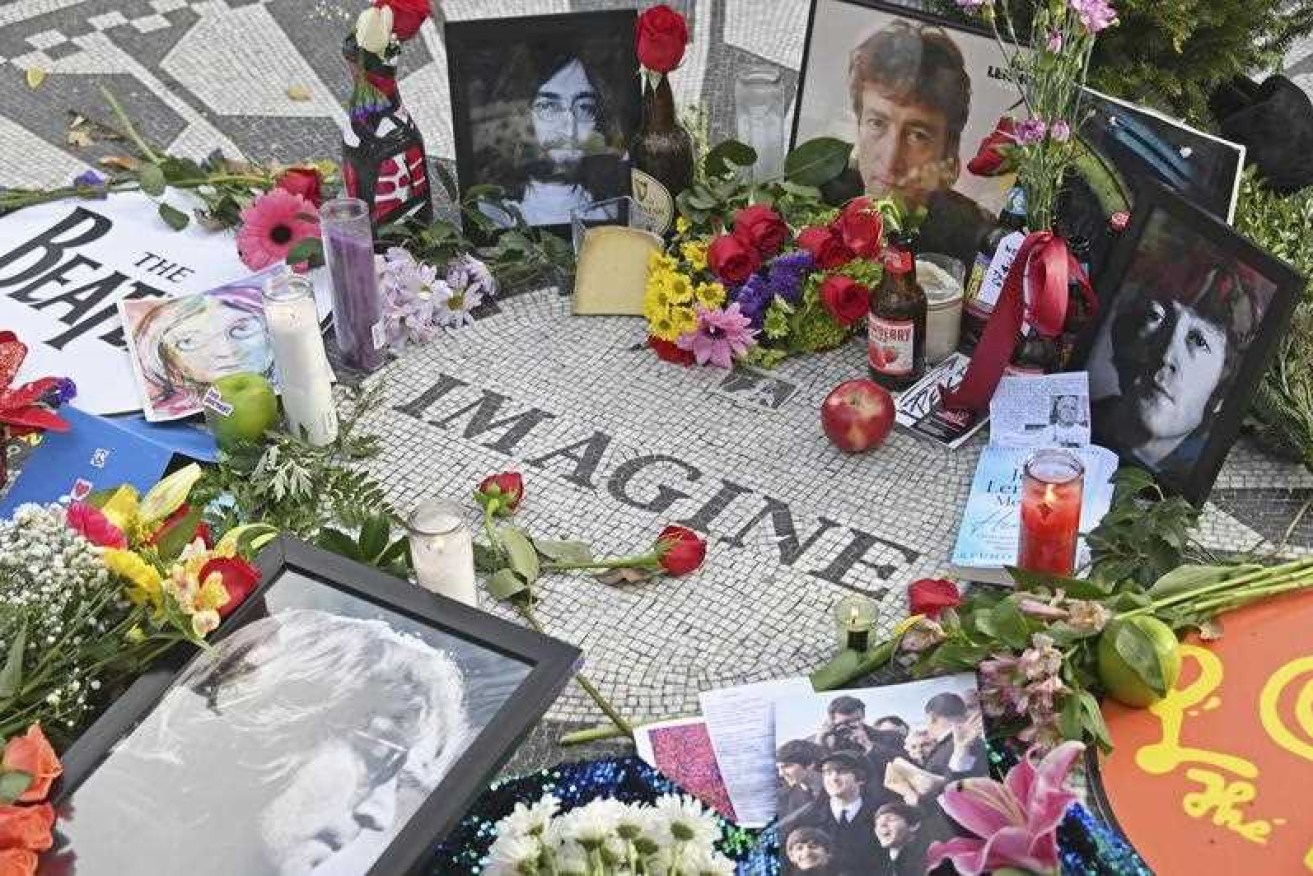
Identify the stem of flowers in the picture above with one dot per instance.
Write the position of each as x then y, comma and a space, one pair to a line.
647, 561
621, 725
1243, 587
593, 734
128, 129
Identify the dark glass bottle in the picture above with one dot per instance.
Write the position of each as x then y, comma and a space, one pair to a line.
662, 156
896, 323
977, 308
1033, 355
1078, 315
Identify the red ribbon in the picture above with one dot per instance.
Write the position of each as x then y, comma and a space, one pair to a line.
21, 406
1043, 267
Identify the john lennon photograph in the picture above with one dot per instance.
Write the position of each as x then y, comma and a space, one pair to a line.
861, 771
543, 108
1191, 314
302, 744
915, 97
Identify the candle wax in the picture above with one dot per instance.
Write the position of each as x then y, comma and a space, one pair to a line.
1050, 523
357, 308
444, 561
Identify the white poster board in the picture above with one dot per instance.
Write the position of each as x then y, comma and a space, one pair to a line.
65, 265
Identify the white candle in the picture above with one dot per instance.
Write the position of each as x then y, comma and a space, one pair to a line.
442, 549
304, 375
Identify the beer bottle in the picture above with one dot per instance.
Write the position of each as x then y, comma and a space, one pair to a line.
896, 324
991, 267
1078, 316
1033, 355
662, 157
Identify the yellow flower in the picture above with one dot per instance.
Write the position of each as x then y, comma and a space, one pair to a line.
213, 595
709, 295
695, 254
680, 289
659, 261
168, 495
663, 327
143, 577
683, 320
682, 225
656, 304
204, 622
121, 509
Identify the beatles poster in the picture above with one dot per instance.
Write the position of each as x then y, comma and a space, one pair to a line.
64, 266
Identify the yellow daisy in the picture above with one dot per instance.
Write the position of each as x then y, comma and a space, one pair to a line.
143, 577
709, 295
664, 328
680, 289
683, 320
695, 254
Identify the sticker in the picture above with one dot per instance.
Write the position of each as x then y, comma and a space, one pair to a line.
992, 286
214, 401
99, 457
81, 489
380, 338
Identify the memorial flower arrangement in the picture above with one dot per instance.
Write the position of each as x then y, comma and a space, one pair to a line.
419, 303
675, 836
28, 767
761, 290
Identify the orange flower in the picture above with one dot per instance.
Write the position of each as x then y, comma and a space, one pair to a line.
27, 827
17, 862
32, 754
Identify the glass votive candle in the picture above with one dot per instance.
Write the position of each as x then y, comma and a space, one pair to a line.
941, 276
759, 110
854, 621
1051, 487
442, 550
357, 305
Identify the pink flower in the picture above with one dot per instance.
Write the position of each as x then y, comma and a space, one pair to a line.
1055, 42
88, 522
274, 223
1015, 822
1094, 15
1060, 131
720, 336
1031, 131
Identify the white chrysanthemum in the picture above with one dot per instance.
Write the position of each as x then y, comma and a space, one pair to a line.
594, 823
530, 820
687, 821
513, 853
706, 862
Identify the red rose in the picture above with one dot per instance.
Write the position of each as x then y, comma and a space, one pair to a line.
845, 299
930, 596
861, 227
662, 36
303, 181
27, 827
31, 753
826, 247
501, 493
761, 228
680, 550
993, 157
732, 260
668, 351
407, 16
17, 862
239, 578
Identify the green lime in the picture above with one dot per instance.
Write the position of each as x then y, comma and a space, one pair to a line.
1127, 656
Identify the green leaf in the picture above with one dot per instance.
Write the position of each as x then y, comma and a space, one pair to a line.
504, 584
1093, 721
12, 785
953, 656
485, 558
179, 535
1136, 648
1071, 722
1006, 623
727, 156
818, 161
564, 551
173, 217
338, 543
849, 666
151, 178
178, 169
1079, 588
521, 554
374, 537
1187, 578
306, 250
11, 676
1133, 480
398, 550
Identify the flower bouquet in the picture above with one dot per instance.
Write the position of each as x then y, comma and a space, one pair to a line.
762, 290
28, 767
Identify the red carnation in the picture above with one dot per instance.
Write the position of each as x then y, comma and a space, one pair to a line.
501, 493
88, 522
239, 578
930, 596
826, 247
668, 351
994, 156
861, 227
303, 181
761, 228
680, 550
407, 16
732, 260
845, 299
662, 36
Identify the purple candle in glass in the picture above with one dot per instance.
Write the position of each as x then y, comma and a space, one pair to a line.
357, 307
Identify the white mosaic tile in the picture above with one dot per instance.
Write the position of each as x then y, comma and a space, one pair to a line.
150, 23
107, 20
46, 39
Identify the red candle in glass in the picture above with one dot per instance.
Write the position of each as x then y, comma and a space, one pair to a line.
1050, 511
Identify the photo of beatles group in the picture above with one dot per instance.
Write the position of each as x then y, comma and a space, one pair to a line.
860, 774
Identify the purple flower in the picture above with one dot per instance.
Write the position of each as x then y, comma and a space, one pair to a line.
91, 185
1094, 15
752, 298
1031, 131
1055, 42
469, 281
788, 273
62, 392
412, 297
1060, 131
719, 337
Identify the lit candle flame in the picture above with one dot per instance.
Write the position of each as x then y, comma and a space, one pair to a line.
1049, 495
852, 615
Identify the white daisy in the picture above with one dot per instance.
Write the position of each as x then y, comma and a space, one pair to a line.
687, 821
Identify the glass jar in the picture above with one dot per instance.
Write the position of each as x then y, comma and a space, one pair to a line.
305, 379
1051, 489
442, 550
357, 305
759, 109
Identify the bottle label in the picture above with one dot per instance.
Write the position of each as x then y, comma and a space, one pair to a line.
992, 284
655, 200
378, 335
977, 277
890, 345
897, 261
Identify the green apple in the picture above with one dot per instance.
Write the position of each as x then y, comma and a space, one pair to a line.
240, 408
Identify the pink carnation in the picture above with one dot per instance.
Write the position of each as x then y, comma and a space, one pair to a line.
88, 522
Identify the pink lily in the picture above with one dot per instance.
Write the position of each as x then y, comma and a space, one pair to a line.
1016, 821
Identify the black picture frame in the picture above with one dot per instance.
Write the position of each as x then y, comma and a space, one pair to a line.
550, 663
482, 47
1159, 207
955, 226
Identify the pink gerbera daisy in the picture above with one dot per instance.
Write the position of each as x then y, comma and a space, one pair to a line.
274, 223
720, 336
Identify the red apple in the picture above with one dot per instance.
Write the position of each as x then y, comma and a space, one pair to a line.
857, 415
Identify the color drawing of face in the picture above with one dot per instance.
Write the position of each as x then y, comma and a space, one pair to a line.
218, 338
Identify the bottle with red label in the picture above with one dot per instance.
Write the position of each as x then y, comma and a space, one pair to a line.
896, 324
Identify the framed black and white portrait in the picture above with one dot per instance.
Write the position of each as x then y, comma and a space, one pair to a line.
1191, 315
915, 96
341, 723
544, 109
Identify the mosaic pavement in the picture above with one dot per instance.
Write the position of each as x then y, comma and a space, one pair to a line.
615, 443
